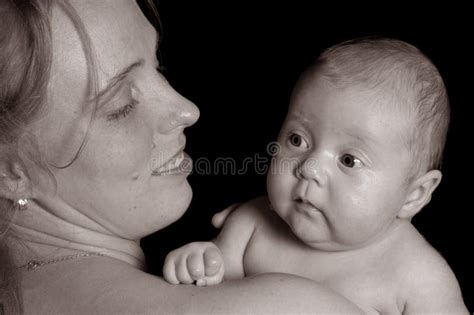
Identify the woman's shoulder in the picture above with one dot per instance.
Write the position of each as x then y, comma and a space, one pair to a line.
102, 285
90, 285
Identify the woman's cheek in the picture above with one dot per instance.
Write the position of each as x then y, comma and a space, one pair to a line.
120, 154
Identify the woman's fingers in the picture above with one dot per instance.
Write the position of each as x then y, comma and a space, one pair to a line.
219, 218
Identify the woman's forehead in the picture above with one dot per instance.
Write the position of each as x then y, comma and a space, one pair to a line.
119, 35
116, 35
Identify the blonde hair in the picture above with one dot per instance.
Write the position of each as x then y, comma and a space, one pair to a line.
25, 59
25, 63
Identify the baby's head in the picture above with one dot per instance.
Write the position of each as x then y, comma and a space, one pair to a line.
361, 145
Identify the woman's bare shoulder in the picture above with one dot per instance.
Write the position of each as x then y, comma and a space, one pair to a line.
90, 285
106, 286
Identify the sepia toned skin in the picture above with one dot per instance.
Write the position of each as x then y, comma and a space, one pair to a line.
124, 184
342, 193
138, 126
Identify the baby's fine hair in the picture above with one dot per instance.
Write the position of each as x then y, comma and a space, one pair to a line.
411, 77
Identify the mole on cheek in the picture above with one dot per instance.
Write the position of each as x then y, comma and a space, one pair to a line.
135, 176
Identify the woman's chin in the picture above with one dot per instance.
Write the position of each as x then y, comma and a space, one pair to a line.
176, 206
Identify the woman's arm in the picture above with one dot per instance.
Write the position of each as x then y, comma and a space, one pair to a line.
268, 293
108, 286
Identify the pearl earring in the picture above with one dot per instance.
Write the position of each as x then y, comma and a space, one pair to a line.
22, 204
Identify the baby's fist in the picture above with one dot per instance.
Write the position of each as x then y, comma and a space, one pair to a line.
199, 261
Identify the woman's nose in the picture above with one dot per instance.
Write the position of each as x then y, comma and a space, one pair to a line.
311, 169
182, 113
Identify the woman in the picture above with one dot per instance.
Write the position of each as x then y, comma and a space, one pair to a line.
91, 160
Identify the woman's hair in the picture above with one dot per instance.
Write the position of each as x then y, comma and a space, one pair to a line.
25, 63
25, 59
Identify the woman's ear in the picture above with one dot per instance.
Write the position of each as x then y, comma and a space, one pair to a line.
420, 193
14, 181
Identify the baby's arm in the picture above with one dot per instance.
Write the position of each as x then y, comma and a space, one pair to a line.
433, 290
236, 235
204, 262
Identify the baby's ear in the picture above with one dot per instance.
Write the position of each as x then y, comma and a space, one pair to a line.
419, 194
14, 181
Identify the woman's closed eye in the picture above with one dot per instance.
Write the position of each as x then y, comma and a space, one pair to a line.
122, 112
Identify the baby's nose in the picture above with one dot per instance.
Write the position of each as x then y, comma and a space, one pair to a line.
310, 169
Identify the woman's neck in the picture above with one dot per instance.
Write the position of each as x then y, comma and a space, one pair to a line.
53, 228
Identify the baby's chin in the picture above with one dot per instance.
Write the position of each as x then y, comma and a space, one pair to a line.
335, 245
324, 241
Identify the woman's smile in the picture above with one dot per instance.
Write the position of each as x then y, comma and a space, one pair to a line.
179, 164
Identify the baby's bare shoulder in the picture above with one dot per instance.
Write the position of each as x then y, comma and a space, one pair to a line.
241, 224
255, 210
427, 283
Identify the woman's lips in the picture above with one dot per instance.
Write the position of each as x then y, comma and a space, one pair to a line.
180, 164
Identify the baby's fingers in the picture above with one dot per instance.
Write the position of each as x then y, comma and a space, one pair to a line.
169, 270
212, 261
182, 271
195, 265
212, 280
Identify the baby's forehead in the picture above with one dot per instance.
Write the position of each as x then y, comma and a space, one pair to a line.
350, 107
368, 96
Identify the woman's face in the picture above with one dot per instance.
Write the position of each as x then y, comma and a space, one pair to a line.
127, 178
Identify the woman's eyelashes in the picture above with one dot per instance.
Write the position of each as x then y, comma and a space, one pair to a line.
123, 111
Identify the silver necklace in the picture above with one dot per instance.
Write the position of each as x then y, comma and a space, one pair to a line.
35, 264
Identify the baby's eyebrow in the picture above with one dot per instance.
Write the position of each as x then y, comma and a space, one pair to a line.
298, 116
365, 139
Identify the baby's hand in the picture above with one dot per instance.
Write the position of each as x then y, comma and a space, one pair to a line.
199, 261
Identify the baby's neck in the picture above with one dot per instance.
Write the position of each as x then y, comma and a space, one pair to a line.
45, 232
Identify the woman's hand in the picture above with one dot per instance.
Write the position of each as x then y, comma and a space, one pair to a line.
199, 262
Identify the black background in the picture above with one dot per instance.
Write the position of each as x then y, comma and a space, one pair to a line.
237, 61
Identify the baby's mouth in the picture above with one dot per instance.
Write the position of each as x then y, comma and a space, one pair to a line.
306, 207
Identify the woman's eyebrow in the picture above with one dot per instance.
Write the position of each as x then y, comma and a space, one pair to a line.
118, 78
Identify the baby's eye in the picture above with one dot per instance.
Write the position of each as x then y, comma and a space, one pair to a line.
350, 161
297, 141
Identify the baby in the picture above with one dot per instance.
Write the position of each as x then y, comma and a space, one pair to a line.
359, 156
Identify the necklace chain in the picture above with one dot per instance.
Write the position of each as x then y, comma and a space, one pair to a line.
35, 264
